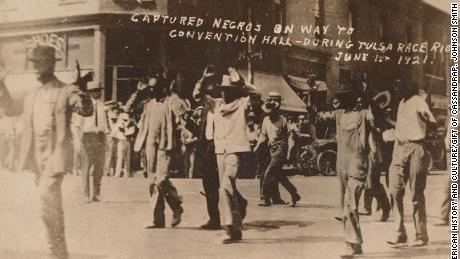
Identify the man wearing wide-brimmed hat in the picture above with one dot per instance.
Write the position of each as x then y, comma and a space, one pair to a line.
230, 141
94, 129
46, 140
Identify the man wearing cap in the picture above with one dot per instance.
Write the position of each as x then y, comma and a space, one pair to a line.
94, 129
274, 130
46, 140
230, 140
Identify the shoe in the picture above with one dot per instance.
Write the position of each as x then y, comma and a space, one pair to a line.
440, 223
87, 199
339, 218
265, 204
96, 199
352, 250
398, 240
233, 235
177, 217
280, 202
243, 207
295, 198
385, 215
419, 242
154, 226
211, 225
365, 213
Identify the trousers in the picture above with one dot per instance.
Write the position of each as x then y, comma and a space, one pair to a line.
123, 158
353, 190
375, 189
274, 175
162, 189
410, 162
210, 178
93, 158
263, 160
111, 155
52, 213
231, 199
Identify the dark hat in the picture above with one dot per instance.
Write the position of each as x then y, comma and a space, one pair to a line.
42, 53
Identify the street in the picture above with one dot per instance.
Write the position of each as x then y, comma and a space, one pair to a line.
114, 228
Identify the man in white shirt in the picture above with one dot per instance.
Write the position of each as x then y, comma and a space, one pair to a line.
94, 129
410, 161
230, 140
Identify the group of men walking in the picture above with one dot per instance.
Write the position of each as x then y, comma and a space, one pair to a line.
223, 138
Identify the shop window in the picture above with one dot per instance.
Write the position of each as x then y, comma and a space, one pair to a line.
80, 45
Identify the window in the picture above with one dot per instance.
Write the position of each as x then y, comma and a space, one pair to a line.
319, 18
280, 12
350, 24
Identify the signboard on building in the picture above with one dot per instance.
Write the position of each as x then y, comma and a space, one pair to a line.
53, 40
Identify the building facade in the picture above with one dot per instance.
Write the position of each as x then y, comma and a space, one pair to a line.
101, 35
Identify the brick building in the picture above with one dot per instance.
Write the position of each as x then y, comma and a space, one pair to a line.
100, 34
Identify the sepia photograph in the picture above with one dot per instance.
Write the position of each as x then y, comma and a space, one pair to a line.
212, 129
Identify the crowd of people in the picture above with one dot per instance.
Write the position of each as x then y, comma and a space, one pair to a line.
217, 140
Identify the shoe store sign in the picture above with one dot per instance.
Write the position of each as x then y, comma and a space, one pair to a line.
47, 39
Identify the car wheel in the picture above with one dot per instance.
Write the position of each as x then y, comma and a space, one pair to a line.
326, 162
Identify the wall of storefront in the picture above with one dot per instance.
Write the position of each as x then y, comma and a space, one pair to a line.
70, 46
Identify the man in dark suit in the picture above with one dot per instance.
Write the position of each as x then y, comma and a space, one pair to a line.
206, 159
46, 140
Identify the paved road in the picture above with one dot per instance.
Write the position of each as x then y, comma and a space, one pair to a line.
114, 228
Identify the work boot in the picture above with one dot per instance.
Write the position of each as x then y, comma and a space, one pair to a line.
177, 217
265, 203
385, 213
295, 198
352, 250
211, 225
234, 235
152, 226
419, 242
398, 240
279, 202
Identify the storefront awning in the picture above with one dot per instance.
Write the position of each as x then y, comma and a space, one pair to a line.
275, 83
301, 84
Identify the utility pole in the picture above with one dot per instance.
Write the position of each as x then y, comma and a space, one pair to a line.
250, 47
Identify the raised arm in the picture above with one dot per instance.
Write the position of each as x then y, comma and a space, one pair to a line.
78, 100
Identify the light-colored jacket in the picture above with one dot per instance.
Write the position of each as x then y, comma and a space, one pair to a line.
66, 98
